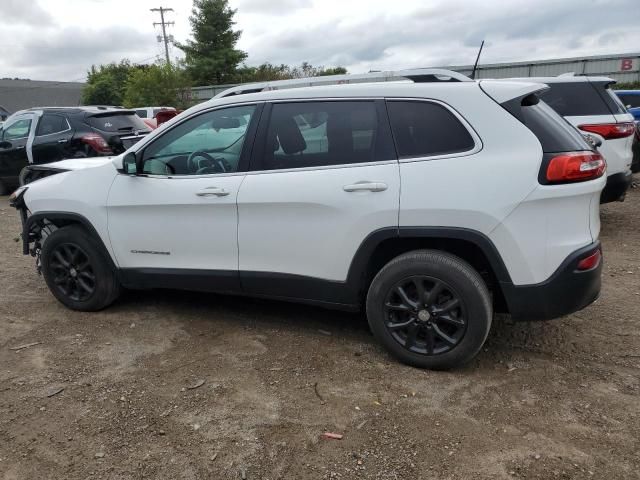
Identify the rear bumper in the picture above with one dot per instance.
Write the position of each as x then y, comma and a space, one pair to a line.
616, 188
566, 291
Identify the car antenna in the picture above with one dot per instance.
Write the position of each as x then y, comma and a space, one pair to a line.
475, 65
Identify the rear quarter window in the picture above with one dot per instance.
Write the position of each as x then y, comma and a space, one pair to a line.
554, 132
423, 129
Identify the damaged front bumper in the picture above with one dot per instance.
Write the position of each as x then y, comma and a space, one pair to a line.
31, 231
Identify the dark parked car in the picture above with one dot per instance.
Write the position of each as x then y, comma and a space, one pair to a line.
631, 100
43, 135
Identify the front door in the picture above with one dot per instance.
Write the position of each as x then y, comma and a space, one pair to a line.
325, 177
180, 218
14, 144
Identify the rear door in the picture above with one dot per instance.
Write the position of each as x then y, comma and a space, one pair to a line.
323, 177
52, 138
14, 145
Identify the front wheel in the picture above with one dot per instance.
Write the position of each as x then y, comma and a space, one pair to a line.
77, 270
430, 309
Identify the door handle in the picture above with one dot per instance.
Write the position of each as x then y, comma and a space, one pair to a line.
365, 186
20, 147
212, 192
63, 140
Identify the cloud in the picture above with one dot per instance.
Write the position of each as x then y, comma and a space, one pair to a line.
445, 33
70, 51
16, 12
60, 40
272, 7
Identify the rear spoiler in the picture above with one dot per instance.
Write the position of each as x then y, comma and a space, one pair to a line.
503, 90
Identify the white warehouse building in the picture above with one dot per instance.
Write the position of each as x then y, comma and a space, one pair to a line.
622, 68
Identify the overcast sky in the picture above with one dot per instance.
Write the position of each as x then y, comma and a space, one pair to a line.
60, 39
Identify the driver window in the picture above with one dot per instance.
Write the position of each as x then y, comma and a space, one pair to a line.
207, 144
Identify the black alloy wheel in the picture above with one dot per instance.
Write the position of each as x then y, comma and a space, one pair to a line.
73, 274
425, 315
429, 309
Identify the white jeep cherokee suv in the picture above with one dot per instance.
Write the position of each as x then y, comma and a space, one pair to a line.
428, 204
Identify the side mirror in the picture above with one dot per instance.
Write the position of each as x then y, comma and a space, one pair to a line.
130, 164
5, 144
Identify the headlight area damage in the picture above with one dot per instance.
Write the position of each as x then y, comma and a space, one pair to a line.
33, 232
36, 172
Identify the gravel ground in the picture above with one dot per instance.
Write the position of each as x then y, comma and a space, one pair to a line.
175, 385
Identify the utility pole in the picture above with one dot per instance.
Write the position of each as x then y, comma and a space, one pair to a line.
165, 39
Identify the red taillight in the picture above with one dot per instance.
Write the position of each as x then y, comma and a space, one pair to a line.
96, 142
592, 261
609, 131
575, 167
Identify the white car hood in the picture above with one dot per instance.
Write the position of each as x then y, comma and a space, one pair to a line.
78, 163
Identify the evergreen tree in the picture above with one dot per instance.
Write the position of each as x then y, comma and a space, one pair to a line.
211, 57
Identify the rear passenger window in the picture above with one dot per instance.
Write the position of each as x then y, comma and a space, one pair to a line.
315, 134
49, 124
423, 129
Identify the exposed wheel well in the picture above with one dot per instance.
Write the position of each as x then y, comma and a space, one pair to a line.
43, 224
467, 250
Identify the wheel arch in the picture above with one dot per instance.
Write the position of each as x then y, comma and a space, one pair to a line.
35, 222
472, 246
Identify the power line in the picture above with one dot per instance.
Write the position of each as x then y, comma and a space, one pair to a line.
164, 37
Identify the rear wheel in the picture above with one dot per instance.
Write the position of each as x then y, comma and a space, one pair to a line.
77, 271
430, 309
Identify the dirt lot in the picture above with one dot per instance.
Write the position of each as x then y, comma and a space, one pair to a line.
543, 400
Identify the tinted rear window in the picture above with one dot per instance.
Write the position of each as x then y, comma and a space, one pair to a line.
554, 132
423, 129
117, 122
580, 99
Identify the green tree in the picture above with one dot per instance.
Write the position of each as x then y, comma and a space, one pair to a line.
211, 57
267, 72
162, 85
627, 86
106, 83
333, 71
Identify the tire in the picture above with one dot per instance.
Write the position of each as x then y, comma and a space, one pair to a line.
448, 327
78, 271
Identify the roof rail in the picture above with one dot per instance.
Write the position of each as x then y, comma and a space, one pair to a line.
418, 75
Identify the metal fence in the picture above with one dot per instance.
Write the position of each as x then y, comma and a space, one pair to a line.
622, 68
